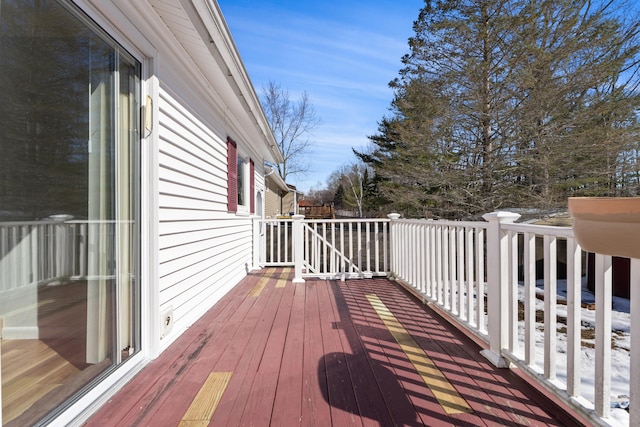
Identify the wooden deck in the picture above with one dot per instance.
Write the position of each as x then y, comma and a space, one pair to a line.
325, 353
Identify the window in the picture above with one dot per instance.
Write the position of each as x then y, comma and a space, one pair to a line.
240, 181
69, 206
252, 187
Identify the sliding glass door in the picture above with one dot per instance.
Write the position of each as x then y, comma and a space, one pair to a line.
69, 206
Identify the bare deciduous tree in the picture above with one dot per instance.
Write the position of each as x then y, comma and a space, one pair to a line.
353, 179
292, 123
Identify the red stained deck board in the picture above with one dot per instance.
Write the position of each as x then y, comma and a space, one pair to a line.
287, 405
371, 404
340, 394
471, 373
392, 370
170, 404
315, 409
257, 410
436, 340
317, 353
426, 406
157, 381
245, 360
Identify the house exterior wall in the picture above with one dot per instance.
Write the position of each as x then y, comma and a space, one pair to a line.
203, 249
288, 203
274, 200
198, 95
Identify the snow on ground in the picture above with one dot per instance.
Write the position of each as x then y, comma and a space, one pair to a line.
620, 361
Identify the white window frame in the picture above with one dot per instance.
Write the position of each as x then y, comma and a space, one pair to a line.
243, 178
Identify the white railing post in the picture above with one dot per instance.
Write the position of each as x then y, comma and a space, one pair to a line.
603, 335
393, 242
298, 248
498, 286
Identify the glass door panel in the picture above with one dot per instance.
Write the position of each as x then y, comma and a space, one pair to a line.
69, 206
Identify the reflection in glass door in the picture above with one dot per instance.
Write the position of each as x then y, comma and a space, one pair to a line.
69, 207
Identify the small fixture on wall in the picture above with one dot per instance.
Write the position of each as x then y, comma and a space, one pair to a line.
166, 319
148, 114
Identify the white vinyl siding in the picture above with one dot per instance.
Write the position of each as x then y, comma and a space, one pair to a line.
203, 249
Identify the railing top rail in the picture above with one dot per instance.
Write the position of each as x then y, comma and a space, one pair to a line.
347, 220
332, 221
566, 232
54, 222
517, 227
552, 230
446, 223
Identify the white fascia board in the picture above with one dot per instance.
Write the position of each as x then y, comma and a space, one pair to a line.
240, 93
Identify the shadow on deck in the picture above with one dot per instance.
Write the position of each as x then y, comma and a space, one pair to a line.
360, 352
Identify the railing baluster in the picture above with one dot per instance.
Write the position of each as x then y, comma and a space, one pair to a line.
574, 300
4, 251
377, 246
24, 260
286, 241
480, 260
34, 242
316, 247
351, 248
433, 262
271, 254
550, 303
422, 260
469, 262
451, 243
279, 240
385, 242
446, 262
341, 261
529, 260
368, 245
334, 255
437, 250
460, 264
359, 236
322, 249
513, 292
402, 262
413, 247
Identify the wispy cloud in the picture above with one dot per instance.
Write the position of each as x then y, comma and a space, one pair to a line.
342, 55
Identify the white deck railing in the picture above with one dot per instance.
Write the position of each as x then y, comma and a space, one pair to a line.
331, 248
41, 251
483, 276
38, 252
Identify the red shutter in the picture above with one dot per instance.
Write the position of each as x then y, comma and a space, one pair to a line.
232, 176
252, 187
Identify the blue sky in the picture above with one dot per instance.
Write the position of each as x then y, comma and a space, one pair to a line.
343, 53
